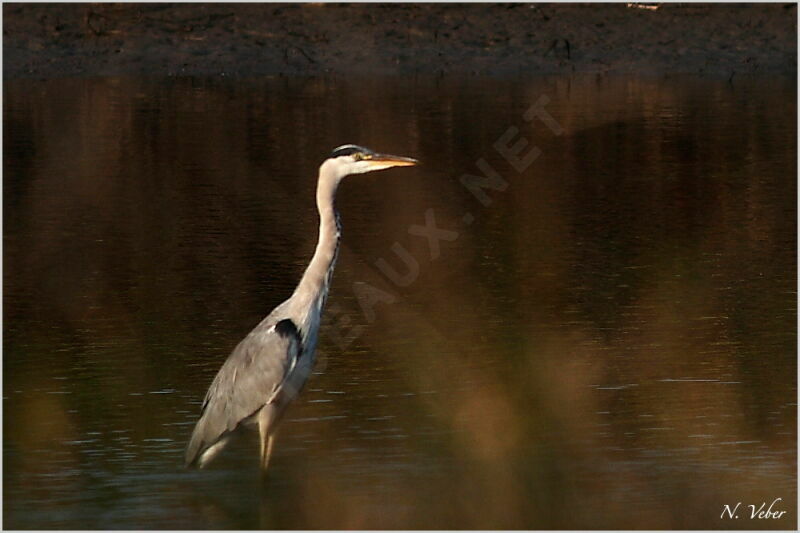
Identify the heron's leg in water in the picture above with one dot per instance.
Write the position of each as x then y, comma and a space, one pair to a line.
267, 433
267, 453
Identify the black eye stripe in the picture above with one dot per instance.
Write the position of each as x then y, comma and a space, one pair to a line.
345, 151
359, 152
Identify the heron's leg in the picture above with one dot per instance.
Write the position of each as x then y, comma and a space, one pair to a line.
266, 432
266, 454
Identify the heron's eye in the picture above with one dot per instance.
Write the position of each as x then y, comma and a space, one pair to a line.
358, 156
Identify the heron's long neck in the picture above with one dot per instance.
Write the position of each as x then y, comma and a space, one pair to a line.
313, 287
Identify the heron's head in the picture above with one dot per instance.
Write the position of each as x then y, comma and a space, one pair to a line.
351, 159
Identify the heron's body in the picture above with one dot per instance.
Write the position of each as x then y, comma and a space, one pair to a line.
269, 367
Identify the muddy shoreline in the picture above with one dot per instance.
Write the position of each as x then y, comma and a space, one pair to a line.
242, 40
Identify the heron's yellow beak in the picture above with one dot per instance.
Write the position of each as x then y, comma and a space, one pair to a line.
386, 161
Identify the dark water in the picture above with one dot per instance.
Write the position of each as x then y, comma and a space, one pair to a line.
609, 343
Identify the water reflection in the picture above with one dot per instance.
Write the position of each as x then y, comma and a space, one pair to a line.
609, 344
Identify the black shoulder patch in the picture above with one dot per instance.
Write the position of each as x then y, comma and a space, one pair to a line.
286, 328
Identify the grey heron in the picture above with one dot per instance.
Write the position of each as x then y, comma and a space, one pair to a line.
269, 367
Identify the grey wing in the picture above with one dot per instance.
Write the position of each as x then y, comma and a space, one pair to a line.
252, 376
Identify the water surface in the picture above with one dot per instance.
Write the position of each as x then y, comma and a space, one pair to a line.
609, 343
